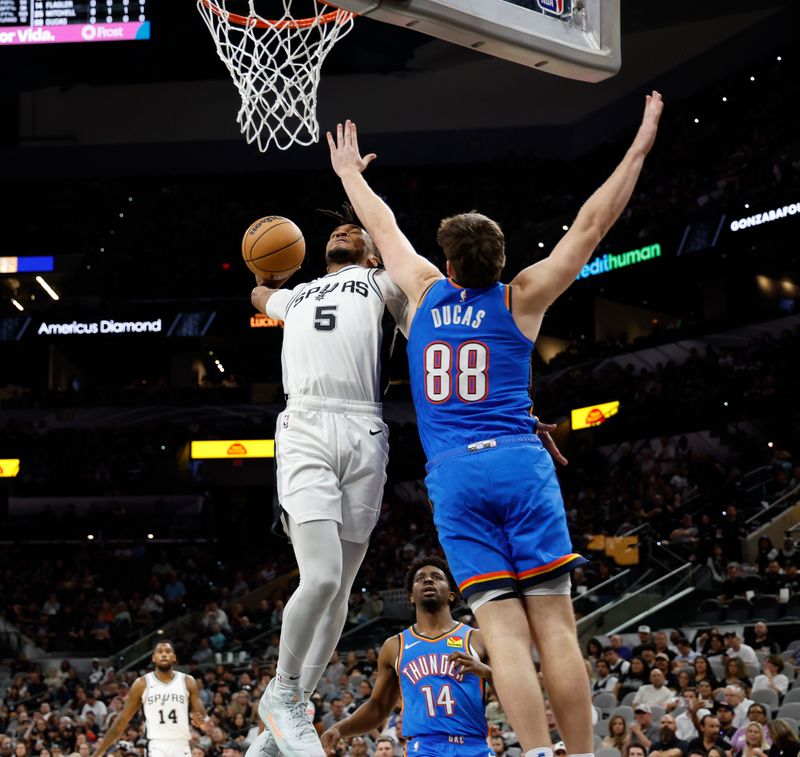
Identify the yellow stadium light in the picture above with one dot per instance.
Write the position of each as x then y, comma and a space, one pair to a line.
594, 415
233, 449
9, 468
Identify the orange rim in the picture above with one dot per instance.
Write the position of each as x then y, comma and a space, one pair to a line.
260, 23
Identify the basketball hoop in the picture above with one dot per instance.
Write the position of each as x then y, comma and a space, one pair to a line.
275, 64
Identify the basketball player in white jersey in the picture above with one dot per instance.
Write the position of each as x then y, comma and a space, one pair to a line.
166, 696
331, 449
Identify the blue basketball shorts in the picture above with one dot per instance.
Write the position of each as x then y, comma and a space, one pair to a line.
447, 746
499, 514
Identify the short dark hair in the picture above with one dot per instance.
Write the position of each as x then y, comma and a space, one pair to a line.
437, 562
163, 641
475, 246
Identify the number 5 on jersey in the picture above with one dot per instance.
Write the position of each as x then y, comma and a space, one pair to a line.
469, 372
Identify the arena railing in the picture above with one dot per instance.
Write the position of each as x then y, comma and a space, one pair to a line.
637, 604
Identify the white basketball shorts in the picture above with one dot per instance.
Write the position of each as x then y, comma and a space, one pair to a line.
331, 463
168, 748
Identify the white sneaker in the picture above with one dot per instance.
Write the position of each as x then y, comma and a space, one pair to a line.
285, 714
263, 746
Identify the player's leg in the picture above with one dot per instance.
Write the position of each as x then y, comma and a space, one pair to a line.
504, 628
541, 551
319, 558
283, 707
471, 533
332, 620
362, 473
552, 624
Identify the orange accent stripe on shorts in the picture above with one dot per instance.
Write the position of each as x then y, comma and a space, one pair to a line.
485, 577
549, 567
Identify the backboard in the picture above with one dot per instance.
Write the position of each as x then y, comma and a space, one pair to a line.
578, 39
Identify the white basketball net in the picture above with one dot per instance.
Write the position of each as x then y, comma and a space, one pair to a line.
275, 64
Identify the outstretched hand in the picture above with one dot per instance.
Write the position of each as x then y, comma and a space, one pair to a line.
543, 432
345, 155
646, 135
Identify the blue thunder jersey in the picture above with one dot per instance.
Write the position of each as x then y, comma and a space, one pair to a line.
469, 366
438, 701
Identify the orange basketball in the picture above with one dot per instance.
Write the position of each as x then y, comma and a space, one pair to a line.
273, 247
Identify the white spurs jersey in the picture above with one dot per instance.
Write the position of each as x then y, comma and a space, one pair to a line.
338, 333
166, 708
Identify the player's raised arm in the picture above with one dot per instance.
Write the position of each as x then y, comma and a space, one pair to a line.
540, 284
117, 728
377, 708
412, 273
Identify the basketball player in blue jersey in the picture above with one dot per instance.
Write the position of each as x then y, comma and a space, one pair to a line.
435, 667
496, 499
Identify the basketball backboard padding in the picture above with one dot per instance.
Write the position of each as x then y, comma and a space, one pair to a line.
583, 42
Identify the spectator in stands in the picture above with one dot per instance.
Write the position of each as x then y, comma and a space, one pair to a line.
96, 706
686, 655
785, 742
791, 577
604, 681
384, 747
755, 745
655, 692
97, 673
725, 714
617, 666
773, 579
635, 750
734, 584
497, 744
735, 674
594, 650
709, 737
645, 639
705, 694
756, 713
765, 553
174, 590
717, 565
618, 736
735, 648
643, 730
336, 714
494, 711
788, 552
685, 682
668, 744
662, 646
618, 645
686, 721
636, 677
662, 663
215, 614
735, 697
772, 676
762, 641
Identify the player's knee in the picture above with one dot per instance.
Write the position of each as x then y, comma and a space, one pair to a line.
323, 586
